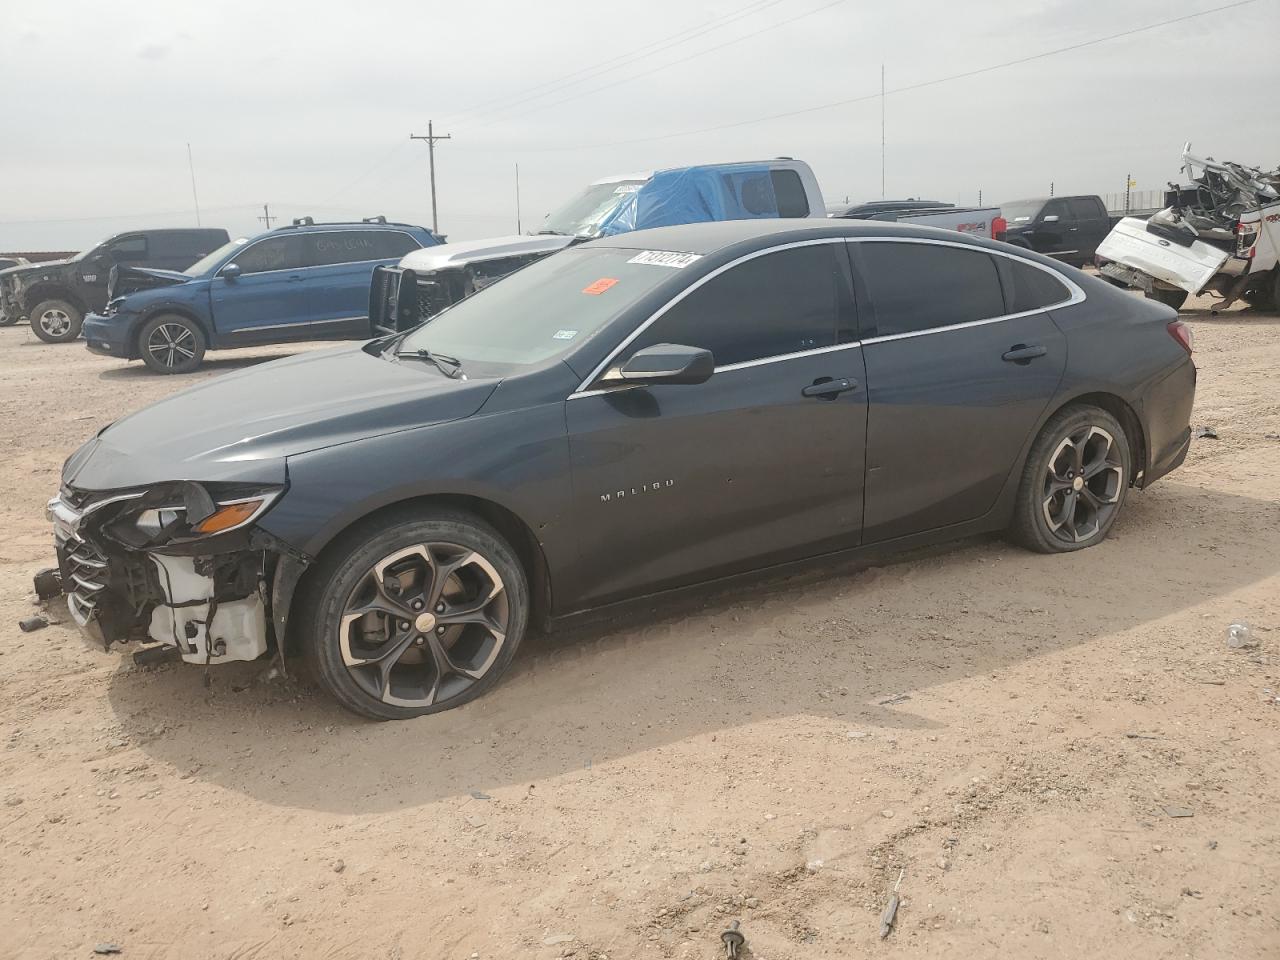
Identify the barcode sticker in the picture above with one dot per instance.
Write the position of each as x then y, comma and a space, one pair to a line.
665, 258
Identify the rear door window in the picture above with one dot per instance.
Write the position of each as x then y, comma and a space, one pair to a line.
779, 303
341, 246
1084, 208
1029, 288
273, 253
789, 191
389, 244
915, 287
128, 249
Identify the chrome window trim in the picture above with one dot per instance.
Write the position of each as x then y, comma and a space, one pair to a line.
1076, 295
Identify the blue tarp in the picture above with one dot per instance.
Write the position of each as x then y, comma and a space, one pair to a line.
695, 195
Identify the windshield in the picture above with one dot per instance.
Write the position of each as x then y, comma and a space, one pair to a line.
1021, 211
540, 312
211, 260
88, 250
582, 216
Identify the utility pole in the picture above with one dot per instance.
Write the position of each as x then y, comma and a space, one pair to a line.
1051, 188
1128, 184
519, 228
266, 215
882, 131
194, 196
431, 139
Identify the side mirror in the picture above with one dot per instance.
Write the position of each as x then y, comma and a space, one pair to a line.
1051, 218
231, 271
668, 363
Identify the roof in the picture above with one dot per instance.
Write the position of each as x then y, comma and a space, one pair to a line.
709, 238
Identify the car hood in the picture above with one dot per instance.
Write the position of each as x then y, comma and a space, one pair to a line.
32, 267
448, 255
242, 426
133, 279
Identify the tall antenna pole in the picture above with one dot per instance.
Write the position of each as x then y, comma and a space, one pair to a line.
266, 215
519, 228
195, 196
431, 139
882, 131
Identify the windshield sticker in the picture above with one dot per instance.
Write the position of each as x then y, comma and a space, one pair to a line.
600, 286
665, 258
564, 334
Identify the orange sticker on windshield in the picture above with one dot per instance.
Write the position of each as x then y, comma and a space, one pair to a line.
600, 286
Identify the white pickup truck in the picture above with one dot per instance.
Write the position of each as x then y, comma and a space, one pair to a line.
1227, 241
427, 281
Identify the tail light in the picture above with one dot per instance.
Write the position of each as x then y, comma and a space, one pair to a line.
1183, 334
1247, 239
999, 225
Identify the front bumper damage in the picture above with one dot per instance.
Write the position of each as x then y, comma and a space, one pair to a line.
211, 600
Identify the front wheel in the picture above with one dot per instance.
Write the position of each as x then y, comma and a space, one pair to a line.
1074, 482
56, 321
7, 321
416, 615
171, 344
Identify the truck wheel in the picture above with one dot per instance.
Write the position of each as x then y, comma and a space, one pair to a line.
171, 344
7, 321
1170, 298
56, 321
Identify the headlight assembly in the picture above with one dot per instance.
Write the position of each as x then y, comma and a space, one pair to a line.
183, 512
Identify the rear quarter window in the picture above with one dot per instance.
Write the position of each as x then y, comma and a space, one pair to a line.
788, 188
914, 287
1027, 287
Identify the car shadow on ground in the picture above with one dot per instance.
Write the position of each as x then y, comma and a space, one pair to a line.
833, 643
138, 369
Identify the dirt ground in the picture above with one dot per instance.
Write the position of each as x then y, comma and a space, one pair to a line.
1018, 737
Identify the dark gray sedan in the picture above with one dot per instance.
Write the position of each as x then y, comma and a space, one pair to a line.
629, 416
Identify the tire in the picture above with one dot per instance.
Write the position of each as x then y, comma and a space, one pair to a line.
401, 573
1053, 514
7, 321
1170, 298
171, 343
56, 321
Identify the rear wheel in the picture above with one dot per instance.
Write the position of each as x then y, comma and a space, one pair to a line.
419, 614
7, 321
56, 321
171, 344
1074, 481
1170, 298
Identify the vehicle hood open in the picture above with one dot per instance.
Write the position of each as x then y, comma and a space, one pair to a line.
448, 255
242, 426
132, 279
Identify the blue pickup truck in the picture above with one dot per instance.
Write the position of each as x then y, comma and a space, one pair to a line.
307, 281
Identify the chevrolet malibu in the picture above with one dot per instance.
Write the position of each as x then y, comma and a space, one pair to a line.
630, 416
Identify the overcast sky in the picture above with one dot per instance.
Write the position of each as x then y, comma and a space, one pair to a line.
308, 106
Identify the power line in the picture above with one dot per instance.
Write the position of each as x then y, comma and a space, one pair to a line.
497, 104
672, 63
914, 86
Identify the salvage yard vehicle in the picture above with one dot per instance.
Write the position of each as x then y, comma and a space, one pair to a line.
56, 295
306, 281
7, 263
1068, 228
640, 413
1221, 235
978, 221
426, 282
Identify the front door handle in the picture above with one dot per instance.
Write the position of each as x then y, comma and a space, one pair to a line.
296, 278
828, 389
1022, 353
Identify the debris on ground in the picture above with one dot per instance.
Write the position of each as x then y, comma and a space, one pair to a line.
477, 795
900, 698
32, 624
1141, 736
732, 940
104, 948
47, 584
891, 908
1178, 811
1239, 636
1206, 433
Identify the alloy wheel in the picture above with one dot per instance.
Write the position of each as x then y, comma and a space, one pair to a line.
1083, 483
424, 624
171, 344
55, 322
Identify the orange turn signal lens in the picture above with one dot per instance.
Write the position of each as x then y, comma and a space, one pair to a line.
232, 515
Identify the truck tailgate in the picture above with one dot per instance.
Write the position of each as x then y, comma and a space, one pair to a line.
1190, 268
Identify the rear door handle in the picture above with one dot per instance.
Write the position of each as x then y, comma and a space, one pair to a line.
296, 278
1022, 353
828, 389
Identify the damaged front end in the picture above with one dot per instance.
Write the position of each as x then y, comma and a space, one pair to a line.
180, 564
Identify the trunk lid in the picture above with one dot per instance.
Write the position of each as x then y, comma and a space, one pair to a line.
1189, 267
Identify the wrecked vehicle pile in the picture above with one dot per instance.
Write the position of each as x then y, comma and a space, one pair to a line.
1220, 234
